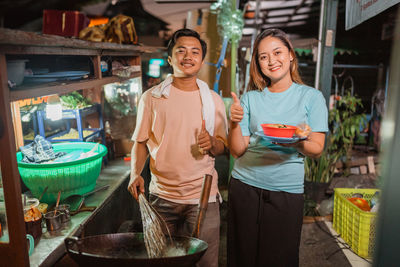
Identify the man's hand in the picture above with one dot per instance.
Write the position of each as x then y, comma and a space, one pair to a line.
204, 140
133, 185
236, 109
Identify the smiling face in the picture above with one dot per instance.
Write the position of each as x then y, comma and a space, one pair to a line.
274, 59
186, 57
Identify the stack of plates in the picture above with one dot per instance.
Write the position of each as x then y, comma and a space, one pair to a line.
55, 76
281, 140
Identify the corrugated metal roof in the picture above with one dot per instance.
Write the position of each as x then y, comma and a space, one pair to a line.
282, 14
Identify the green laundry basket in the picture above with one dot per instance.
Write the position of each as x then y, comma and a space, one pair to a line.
75, 177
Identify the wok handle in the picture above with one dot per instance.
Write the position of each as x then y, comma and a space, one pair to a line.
84, 208
70, 241
205, 195
95, 190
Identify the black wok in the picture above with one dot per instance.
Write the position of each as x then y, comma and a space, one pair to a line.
128, 249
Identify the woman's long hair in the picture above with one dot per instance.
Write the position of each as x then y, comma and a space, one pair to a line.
258, 81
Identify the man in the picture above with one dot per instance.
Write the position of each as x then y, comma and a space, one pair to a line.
182, 124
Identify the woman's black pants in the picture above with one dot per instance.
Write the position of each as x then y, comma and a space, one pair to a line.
264, 227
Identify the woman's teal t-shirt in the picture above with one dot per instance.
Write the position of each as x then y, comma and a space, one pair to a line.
273, 167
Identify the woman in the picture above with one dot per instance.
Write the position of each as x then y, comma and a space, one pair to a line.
265, 206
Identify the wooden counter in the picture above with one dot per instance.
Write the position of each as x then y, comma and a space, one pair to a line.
51, 248
19, 44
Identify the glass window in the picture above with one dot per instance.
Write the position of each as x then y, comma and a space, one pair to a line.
120, 107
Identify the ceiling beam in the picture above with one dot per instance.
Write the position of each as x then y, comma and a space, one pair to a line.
297, 8
286, 18
266, 22
183, 1
289, 11
279, 4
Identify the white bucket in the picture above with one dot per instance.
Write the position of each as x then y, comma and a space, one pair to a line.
15, 70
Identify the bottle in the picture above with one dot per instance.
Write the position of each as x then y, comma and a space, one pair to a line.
375, 201
375, 208
103, 66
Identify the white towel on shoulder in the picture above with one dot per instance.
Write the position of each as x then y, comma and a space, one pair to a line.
208, 109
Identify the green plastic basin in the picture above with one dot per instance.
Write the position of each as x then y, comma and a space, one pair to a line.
75, 177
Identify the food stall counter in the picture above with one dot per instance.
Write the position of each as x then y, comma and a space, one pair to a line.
51, 247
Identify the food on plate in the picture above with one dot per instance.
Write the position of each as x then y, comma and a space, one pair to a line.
277, 125
278, 130
303, 130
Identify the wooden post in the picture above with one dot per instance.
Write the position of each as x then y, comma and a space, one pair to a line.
17, 124
233, 57
387, 238
328, 47
94, 94
14, 252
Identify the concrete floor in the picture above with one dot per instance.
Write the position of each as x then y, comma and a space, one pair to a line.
318, 248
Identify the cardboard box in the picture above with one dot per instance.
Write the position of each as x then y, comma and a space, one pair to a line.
64, 23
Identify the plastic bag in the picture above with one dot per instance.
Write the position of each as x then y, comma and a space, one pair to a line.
326, 207
303, 130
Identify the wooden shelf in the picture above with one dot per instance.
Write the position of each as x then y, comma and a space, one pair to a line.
24, 92
21, 42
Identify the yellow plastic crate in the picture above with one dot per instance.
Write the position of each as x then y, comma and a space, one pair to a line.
356, 227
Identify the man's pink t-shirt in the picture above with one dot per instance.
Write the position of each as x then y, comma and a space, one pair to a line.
170, 127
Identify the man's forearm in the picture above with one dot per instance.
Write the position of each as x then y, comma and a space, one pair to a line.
138, 158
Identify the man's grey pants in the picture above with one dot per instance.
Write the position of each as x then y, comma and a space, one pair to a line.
181, 220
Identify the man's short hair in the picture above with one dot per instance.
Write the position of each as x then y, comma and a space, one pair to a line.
189, 33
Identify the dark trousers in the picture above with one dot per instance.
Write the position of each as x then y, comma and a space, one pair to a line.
181, 220
264, 227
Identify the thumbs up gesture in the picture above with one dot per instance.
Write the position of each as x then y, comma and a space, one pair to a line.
236, 109
204, 140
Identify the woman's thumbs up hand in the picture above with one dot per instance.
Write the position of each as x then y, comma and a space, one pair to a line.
236, 109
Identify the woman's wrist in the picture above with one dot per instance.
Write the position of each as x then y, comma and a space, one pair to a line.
300, 146
234, 124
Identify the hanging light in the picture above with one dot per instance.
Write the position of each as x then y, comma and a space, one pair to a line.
53, 108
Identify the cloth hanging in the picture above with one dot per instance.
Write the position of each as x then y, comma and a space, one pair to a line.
208, 109
40, 150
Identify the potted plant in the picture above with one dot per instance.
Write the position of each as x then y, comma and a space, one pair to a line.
344, 125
